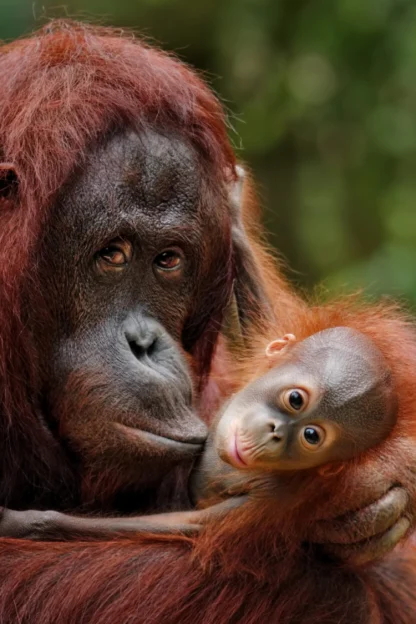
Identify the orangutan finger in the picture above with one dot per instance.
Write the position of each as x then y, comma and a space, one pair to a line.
365, 523
375, 548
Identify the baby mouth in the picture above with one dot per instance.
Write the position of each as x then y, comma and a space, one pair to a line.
235, 454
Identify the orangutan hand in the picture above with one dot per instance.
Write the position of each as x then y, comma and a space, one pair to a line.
369, 533
249, 300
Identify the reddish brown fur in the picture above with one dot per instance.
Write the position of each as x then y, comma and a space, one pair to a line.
249, 569
62, 91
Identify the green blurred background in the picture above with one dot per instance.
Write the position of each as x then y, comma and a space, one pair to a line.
322, 96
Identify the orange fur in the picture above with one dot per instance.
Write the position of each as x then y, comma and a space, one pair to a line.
252, 567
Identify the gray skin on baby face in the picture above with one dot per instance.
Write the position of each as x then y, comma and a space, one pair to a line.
328, 398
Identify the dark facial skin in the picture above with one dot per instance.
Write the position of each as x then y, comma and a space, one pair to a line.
328, 399
128, 254
123, 254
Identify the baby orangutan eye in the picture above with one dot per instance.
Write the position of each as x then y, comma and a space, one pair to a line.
295, 400
312, 437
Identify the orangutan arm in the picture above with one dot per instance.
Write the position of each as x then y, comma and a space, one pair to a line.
55, 526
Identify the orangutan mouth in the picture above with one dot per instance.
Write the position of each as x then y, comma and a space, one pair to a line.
157, 442
235, 456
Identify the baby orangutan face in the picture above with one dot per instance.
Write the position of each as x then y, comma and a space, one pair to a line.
328, 398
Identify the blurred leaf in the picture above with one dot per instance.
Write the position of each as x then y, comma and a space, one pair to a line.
322, 97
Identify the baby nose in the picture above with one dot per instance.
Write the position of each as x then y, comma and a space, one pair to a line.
277, 429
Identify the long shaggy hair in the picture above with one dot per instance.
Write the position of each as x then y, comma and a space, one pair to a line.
63, 91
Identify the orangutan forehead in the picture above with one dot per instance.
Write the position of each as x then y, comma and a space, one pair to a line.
139, 174
161, 165
156, 169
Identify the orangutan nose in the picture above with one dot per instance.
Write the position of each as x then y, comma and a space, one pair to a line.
157, 357
267, 424
146, 338
278, 430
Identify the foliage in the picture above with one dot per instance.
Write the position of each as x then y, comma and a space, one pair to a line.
323, 109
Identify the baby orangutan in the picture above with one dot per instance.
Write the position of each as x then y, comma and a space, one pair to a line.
325, 400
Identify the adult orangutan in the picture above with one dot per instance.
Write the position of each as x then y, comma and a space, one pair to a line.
118, 250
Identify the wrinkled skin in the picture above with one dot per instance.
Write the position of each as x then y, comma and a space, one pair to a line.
117, 388
112, 321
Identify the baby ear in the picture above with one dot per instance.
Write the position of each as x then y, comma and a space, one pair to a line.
278, 345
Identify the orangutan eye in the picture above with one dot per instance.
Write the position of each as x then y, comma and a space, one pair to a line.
116, 255
312, 437
112, 255
169, 263
168, 260
295, 400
